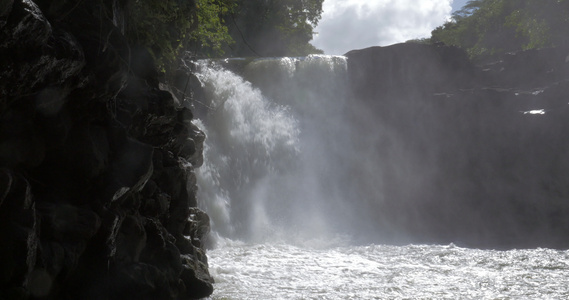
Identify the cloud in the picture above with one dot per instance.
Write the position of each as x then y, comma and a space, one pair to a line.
356, 24
458, 4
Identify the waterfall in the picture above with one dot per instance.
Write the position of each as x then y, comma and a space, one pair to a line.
304, 152
276, 147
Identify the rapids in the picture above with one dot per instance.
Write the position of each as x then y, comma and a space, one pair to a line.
284, 271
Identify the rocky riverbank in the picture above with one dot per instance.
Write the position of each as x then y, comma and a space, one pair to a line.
97, 190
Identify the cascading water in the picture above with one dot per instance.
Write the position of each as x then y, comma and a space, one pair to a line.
285, 175
248, 138
270, 159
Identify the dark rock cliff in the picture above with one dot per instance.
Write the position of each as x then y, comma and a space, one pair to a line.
97, 190
475, 154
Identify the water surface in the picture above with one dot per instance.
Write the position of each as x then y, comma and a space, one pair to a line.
282, 271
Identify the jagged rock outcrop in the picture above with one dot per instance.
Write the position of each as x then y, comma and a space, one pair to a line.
474, 154
97, 190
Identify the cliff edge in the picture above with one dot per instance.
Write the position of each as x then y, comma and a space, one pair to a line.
470, 153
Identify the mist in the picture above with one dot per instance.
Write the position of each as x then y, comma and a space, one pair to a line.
399, 144
297, 156
282, 176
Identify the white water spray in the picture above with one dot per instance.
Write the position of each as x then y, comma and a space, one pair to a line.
275, 148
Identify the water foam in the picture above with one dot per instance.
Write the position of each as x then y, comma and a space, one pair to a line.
249, 140
272, 159
283, 271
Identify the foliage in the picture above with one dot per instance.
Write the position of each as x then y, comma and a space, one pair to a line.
160, 26
167, 27
212, 35
494, 26
218, 27
274, 27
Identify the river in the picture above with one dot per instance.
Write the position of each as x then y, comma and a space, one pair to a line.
284, 271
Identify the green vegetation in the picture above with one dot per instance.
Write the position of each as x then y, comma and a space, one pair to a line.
212, 35
165, 28
486, 27
223, 27
274, 27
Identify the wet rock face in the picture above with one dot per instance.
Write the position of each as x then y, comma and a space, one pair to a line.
377, 71
470, 154
97, 190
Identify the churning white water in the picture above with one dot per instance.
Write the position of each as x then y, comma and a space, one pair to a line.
245, 134
275, 182
283, 271
271, 158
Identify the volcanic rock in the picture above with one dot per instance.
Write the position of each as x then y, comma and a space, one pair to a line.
96, 162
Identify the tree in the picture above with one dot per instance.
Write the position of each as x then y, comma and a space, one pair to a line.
274, 27
211, 36
217, 27
484, 27
165, 28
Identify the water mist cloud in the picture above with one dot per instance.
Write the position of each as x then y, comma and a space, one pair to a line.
356, 24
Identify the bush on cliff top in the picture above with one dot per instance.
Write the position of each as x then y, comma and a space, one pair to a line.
167, 27
223, 27
273, 27
486, 27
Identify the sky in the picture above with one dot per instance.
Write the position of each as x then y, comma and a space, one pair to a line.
355, 24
